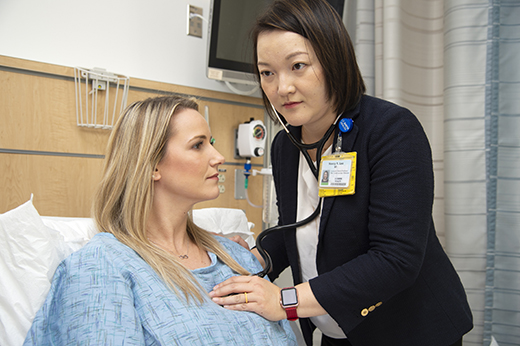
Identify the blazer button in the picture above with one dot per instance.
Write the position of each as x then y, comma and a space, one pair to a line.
364, 312
372, 308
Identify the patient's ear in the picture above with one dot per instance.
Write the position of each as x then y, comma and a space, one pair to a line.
156, 175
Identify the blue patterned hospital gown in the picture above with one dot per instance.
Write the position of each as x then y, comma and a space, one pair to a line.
105, 294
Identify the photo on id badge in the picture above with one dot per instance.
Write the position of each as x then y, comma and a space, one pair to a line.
325, 177
335, 174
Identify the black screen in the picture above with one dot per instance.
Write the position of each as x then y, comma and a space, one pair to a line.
230, 47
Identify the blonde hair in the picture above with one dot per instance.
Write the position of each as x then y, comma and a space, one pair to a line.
124, 197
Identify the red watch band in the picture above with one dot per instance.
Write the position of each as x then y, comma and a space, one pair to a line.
289, 302
292, 315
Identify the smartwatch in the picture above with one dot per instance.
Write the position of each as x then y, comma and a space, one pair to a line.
289, 301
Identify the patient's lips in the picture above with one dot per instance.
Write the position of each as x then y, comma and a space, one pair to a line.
214, 176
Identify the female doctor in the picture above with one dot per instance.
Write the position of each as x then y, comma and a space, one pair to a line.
370, 269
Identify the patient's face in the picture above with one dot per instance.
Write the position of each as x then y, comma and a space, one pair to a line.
188, 172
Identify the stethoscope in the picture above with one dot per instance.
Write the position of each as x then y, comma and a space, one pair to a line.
345, 126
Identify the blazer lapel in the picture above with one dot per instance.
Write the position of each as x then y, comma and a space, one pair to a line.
290, 184
348, 140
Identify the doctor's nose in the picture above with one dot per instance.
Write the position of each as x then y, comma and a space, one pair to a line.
285, 86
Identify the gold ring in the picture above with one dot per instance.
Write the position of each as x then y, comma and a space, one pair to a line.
245, 294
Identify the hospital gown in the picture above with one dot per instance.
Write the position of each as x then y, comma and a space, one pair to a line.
105, 294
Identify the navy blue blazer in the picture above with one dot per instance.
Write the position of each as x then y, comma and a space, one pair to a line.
383, 275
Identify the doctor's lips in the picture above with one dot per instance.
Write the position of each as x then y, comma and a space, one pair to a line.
291, 104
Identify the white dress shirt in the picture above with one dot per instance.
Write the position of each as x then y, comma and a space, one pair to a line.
307, 239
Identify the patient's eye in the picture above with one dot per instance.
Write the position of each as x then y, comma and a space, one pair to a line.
198, 145
212, 141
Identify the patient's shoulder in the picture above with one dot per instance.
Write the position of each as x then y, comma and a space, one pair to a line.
243, 256
102, 244
102, 254
105, 265
230, 246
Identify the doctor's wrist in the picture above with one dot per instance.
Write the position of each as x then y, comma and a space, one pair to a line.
289, 302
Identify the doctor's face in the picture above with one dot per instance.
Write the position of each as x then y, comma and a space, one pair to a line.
292, 79
188, 172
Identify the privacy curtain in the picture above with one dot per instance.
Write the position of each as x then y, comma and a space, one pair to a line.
456, 65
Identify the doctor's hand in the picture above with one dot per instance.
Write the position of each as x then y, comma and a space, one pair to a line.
240, 241
250, 293
237, 239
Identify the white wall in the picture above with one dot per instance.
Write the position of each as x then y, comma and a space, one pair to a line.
141, 39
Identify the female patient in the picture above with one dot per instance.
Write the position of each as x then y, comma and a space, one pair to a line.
143, 280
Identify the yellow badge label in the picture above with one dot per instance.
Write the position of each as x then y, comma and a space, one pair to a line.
337, 175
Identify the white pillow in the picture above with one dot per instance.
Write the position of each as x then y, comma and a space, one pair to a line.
226, 221
76, 231
29, 255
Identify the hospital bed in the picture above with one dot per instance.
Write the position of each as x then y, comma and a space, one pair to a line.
32, 246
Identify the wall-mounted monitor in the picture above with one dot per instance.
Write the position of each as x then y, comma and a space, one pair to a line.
230, 49
229, 46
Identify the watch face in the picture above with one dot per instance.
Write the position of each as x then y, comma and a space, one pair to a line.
289, 297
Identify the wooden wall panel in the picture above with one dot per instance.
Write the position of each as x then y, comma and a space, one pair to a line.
62, 186
38, 124
39, 113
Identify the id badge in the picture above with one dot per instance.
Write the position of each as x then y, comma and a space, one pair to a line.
337, 175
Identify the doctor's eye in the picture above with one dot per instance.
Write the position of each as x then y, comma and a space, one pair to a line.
266, 73
299, 66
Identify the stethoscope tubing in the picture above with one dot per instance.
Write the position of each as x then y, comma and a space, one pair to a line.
263, 234
315, 170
